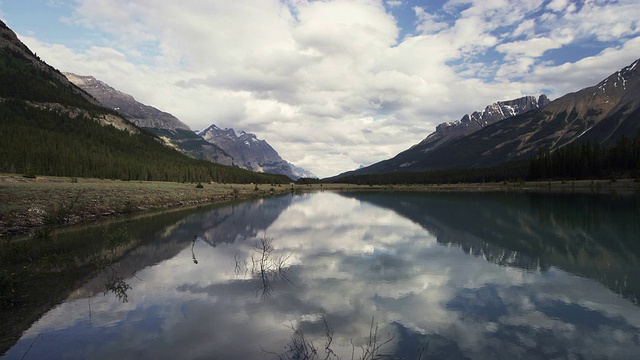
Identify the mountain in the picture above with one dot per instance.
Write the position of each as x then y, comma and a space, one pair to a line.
248, 151
299, 172
44, 84
469, 124
226, 148
164, 125
49, 126
603, 114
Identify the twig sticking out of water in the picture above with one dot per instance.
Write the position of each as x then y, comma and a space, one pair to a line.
301, 348
264, 266
30, 346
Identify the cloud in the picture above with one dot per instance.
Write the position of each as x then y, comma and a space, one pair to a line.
558, 5
394, 3
569, 77
329, 84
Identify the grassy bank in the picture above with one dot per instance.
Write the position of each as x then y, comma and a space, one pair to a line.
627, 186
32, 206
29, 205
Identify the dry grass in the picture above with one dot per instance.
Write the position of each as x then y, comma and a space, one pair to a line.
27, 204
31, 204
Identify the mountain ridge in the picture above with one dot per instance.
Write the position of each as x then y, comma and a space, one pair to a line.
167, 127
224, 147
473, 122
602, 113
247, 150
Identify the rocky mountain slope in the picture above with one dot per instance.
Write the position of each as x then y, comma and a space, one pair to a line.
25, 77
164, 125
469, 124
248, 151
603, 113
220, 146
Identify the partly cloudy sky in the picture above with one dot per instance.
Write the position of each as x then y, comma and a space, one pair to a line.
333, 84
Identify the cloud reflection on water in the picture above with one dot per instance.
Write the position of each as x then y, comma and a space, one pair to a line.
351, 261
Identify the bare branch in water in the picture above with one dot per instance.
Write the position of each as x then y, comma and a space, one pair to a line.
264, 266
301, 348
116, 284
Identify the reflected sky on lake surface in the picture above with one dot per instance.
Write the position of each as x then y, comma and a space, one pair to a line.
462, 275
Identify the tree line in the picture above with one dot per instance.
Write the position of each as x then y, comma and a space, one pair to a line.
588, 160
504, 172
21, 79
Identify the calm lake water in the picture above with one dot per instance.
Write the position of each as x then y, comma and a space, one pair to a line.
413, 275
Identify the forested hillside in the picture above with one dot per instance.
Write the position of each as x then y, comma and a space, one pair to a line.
48, 126
39, 141
588, 160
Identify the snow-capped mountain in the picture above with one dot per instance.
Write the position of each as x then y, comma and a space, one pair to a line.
603, 114
226, 147
469, 124
248, 151
299, 172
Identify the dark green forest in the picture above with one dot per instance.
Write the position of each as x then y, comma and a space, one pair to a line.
504, 172
588, 160
21, 79
46, 142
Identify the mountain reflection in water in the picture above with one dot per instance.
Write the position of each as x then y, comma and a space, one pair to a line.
454, 275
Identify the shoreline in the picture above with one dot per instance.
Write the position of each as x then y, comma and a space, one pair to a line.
34, 206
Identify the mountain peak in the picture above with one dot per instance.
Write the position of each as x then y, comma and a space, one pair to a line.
602, 114
167, 127
471, 123
248, 151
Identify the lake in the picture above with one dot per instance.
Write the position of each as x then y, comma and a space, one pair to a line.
356, 275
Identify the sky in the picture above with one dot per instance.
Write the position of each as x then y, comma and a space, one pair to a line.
331, 84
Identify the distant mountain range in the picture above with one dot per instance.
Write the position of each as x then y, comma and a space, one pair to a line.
213, 144
247, 150
603, 113
167, 127
299, 172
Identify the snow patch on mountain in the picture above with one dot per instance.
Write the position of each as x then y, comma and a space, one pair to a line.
471, 123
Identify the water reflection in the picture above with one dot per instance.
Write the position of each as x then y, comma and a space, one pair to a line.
591, 235
450, 276
264, 265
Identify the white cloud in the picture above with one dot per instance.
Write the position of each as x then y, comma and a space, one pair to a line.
394, 3
526, 28
569, 77
428, 23
558, 5
328, 83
